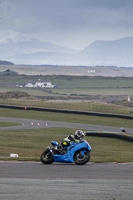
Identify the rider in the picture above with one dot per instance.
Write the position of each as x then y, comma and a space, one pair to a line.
78, 135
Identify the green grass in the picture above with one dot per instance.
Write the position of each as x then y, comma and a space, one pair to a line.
81, 106
71, 91
29, 144
111, 150
6, 124
91, 91
67, 85
74, 118
70, 81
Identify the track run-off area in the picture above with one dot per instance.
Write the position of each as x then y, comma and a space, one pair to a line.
58, 181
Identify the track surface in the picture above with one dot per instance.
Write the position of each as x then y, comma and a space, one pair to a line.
92, 181
26, 124
66, 171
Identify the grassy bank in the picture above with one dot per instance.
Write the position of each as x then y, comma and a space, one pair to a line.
6, 124
81, 106
30, 144
74, 118
71, 87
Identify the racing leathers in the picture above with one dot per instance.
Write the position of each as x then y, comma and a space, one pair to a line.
67, 141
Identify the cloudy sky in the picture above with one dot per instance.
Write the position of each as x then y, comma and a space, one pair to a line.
70, 23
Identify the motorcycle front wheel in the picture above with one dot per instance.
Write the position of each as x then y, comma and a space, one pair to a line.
47, 157
80, 159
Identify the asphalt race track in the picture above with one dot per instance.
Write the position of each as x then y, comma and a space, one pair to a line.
36, 181
26, 124
93, 181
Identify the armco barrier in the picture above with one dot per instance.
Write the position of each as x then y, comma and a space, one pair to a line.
67, 111
110, 135
12, 107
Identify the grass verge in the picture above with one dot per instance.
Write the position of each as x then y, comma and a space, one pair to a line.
8, 124
81, 106
65, 117
29, 144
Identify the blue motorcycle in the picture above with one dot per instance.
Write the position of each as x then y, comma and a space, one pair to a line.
78, 153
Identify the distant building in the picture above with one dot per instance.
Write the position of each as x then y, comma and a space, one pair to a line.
91, 71
40, 84
128, 99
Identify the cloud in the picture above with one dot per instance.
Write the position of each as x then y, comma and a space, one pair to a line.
74, 23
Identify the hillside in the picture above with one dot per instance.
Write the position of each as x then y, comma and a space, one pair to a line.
29, 51
6, 63
116, 53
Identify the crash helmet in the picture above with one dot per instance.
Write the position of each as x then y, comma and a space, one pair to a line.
79, 134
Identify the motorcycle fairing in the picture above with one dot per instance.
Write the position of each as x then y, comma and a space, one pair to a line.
71, 150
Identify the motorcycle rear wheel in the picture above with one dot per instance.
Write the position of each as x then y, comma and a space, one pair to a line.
47, 157
81, 160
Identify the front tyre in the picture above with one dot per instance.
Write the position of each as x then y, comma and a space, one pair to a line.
47, 157
81, 157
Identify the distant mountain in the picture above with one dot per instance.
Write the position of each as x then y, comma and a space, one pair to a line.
32, 46
5, 63
117, 52
41, 58
20, 49
14, 44
108, 47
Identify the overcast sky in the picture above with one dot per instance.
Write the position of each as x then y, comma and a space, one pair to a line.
70, 23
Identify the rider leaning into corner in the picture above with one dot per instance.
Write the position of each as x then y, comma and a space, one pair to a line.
77, 137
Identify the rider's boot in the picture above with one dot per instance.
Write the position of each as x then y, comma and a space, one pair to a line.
56, 150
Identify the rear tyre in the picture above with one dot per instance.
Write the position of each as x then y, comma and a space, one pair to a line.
81, 160
47, 157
